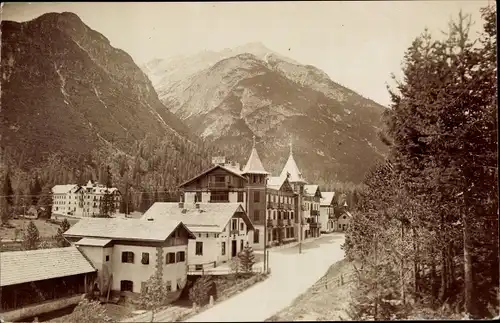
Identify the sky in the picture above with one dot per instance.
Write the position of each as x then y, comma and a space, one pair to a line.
357, 43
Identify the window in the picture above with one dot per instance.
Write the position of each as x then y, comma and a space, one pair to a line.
169, 286
128, 257
181, 256
223, 249
269, 214
197, 197
219, 179
219, 196
256, 236
170, 258
256, 215
242, 226
126, 286
199, 248
240, 196
145, 258
274, 215
107, 257
256, 196
291, 215
234, 224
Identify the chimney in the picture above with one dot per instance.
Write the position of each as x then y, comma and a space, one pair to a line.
181, 205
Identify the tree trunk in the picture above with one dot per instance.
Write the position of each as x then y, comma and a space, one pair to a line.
433, 277
375, 312
468, 283
416, 275
403, 298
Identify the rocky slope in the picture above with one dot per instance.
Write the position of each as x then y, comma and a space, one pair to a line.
334, 129
65, 90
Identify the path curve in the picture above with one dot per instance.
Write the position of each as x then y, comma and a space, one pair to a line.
292, 274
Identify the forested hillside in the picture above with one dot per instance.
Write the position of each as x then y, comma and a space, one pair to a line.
426, 227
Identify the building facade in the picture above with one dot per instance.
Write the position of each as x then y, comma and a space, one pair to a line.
326, 211
127, 252
312, 201
82, 201
275, 205
282, 219
221, 230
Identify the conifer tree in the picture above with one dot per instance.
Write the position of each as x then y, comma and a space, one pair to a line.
31, 237
35, 190
45, 201
107, 206
60, 240
247, 259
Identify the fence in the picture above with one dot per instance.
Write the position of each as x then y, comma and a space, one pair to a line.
325, 283
11, 245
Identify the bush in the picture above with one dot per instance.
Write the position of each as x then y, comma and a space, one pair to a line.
200, 292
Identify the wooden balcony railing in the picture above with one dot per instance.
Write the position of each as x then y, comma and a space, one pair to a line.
218, 185
314, 212
269, 223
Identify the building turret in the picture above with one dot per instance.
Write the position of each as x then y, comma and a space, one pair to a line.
256, 194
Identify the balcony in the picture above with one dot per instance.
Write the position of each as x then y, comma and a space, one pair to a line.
217, 201
271, 205
303, 208
218, 185
289, 222
314, 212
315, 225
280, 206
269, 223
280, 223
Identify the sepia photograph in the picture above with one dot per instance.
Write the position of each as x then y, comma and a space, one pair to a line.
249, 161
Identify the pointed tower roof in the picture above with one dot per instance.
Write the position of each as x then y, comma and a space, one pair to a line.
254, 165
291, 170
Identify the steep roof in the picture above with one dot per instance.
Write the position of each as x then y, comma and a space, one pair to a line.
124, 229
19, 267
254, 164
275, 182
210, 217
292, 169
232, 170
312, 189
327, 198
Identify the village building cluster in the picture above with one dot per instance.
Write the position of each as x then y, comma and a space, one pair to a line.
221, 210
82, 200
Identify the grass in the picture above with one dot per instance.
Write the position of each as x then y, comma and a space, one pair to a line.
46, 229
320, 303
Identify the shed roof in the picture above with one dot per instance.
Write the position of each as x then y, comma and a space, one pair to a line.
210, 217
96, 242
19, 267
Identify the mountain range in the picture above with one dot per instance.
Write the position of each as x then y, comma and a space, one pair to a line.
227, 97
66, 91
